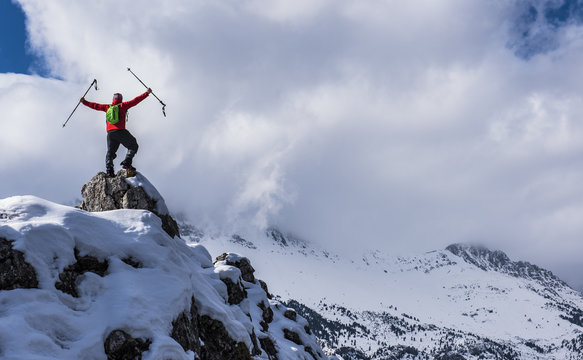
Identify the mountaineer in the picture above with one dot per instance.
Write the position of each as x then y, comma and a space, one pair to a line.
116, 130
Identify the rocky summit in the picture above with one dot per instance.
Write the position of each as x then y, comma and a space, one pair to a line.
103, 193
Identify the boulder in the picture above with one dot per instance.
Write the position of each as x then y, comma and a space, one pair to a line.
240, 262
120, 345
103, 193
236, 291
290, 314
292, 336
68, 278
15, 272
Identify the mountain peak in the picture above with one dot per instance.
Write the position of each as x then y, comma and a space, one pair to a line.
285, 239
480, 256
496, 260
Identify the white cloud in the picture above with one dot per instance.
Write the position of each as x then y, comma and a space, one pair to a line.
400, 125
541, 123
286, 11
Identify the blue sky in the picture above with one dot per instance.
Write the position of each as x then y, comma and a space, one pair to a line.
14, 56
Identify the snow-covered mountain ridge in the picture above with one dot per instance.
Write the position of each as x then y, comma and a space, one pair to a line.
497, 260
120, 284
465, 300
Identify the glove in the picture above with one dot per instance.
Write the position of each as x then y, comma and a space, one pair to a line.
82, 99
149, 91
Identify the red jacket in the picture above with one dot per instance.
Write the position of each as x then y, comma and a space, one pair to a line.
123, 108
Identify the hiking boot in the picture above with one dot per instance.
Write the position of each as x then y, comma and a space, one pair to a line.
131, 172
127, 164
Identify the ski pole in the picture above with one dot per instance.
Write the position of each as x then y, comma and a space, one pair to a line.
147, 87
94, 82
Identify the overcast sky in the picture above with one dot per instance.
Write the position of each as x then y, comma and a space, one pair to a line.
400, 125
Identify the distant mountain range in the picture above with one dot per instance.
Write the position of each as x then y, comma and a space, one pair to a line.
462, 302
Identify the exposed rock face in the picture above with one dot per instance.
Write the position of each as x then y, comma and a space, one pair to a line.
292, 336
489, 260
169, 225
277, 236
311, 352
68, 278
218, 345
242, 263
265, 311
119, 345
267, 314
269, 347
264, 287
237, 239
15, 272
185, 329
103, 193
290, 314
235, 290
190, 327
285, 240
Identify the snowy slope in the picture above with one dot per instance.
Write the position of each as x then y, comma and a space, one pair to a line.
464, 299
137, 281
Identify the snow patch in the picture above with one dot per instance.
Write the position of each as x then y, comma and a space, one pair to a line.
140, 180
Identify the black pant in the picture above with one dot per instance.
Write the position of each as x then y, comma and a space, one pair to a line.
114, 139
